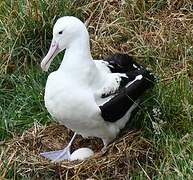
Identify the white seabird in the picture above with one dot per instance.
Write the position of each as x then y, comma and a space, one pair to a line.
93, 98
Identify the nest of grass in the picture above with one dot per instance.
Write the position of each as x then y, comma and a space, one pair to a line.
21, 155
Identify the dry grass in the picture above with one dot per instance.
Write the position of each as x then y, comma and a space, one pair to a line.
21, 155
139, 29
157, 33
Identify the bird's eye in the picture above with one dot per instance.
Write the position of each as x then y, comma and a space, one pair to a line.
60, 32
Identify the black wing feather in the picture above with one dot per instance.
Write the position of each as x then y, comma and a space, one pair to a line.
121, 63
117, 107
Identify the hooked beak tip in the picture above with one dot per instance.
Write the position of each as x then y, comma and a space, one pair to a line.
44, 66
53, 51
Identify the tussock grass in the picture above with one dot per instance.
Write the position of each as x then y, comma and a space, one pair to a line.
157, 33
21, 102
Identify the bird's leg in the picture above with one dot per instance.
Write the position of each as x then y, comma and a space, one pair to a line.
105, 142
59, 155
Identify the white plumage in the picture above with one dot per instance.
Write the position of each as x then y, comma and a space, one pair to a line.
82, 91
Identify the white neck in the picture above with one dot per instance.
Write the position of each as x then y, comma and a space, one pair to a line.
77, 53
77, 60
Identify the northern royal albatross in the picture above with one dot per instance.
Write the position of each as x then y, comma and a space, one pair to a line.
93, 98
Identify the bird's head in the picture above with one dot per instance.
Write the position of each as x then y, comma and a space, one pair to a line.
66, 30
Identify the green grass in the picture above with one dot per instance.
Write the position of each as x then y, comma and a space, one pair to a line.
157, 33
21, 101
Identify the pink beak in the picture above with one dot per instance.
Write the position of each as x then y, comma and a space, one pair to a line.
53, 51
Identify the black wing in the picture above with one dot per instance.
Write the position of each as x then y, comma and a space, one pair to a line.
121, 63
117, 107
